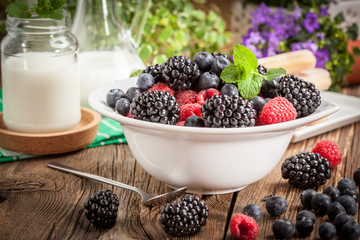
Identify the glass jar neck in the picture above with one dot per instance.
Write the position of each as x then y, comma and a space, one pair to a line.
37, 25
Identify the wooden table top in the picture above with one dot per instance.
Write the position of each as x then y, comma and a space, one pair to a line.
37, 202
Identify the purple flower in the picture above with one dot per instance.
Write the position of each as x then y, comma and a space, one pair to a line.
297, 12
324, 10
310, 45
310, 22
322, 57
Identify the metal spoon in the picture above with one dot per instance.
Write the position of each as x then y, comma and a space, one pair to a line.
147, 199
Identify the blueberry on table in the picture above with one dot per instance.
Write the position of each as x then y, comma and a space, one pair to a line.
356, 176
334, 209
208, 80
113, 95
333, 192
306, 197
283, 228
349, 204
327, 231
304, 227
145, 81
340, 220
305, 214
253, 210
346, 183
320, 202
351, 192
204, 61
276, 206
351, 231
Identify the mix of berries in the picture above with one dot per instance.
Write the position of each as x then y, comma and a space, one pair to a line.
198, 81
184, 217
101, 208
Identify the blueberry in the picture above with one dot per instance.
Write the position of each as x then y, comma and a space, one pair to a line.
349, 204
333, 192
276, 206
351, 231
334, 209
327, 231
346, 183
132, 92
305, 214
356, 176
113, 95
194, 121
230, 90
353, 193
204, 61
253, 210
320, 203
304, 227
219, 64
283, 228
340, 220
145, 81
306, 197
208, 80
122, 106
258, 103
269, 89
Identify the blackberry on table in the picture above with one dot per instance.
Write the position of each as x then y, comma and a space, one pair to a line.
283, 228
306, 170
184, 217
228, 111
101, 208
327, 231
155, 71
155, 106
180, 72
302, 94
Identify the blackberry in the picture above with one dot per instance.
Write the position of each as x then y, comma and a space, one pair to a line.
185, 217
180, 72
101, 208
155, 106
228, 111
302, 94
306, 170
262, 70
327, 231
155, 71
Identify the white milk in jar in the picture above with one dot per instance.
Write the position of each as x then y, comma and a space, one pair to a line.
40, 92
101, 67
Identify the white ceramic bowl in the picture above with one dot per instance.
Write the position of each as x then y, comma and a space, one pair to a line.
206, 160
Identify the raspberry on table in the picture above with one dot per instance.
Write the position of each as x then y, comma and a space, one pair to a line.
206, 94
277, 110
188, 110
329, 150
185, 97
283, 228
163, 87
243, 227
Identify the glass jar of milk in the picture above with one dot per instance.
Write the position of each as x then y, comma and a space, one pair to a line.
41, 92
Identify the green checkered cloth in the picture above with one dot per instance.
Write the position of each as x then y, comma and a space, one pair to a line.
109, 132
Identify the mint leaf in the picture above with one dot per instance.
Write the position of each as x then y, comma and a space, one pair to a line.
18, 9
250, 87
230, 74
243, 56
57, 4
274, 72
136, 73
57, 15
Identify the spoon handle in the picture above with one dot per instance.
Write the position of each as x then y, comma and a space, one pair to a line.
76, 172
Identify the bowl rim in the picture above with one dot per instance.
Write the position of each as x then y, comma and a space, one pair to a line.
97, 100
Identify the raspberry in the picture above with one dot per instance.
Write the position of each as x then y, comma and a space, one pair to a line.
188, 110
244, 227
329, 150
180, 123
206, 94
163, 87
185, 97
277, 110
129, 115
